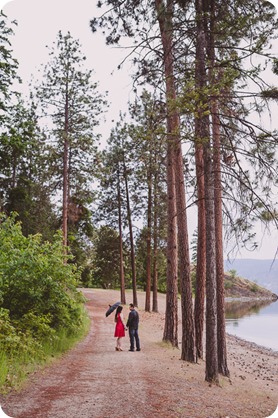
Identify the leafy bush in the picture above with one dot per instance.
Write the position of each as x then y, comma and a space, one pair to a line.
39, 301
233, 273
228, 284
254, 287
34, 278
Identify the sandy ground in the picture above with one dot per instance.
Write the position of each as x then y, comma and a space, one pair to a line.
95, 381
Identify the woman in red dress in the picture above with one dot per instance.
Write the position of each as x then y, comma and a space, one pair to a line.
119, 328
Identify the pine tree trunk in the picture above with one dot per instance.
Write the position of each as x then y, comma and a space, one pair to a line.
155, 240
165, 15
188, 329
122, 275
211, 285
132, 251
171, 315
221, 329
199, 311
149, 227
201, 135
65, 175
14, 167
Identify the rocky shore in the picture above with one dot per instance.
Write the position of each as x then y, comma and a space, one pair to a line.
238, 287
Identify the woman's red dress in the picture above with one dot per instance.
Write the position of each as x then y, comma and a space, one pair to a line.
119, 328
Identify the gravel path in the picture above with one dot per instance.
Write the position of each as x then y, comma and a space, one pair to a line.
95, 381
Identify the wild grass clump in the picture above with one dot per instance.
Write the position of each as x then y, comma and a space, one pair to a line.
41, 311
26, 354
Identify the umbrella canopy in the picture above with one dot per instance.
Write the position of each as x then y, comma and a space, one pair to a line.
112, 308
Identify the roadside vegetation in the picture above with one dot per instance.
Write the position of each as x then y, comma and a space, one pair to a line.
42, 313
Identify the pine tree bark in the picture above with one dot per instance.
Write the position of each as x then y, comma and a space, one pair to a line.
155, 247
211, 285
201, 135
221, 327
149, 228
155, 238
165, 16
171, 315
199, 309
122, 274
202, 9
188, 329
132, 251
65, 173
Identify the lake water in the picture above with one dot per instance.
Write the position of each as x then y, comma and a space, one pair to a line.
255, 321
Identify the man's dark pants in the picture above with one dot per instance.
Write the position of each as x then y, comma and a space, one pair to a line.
133, 335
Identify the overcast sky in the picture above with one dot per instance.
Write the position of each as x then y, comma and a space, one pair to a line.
38, 24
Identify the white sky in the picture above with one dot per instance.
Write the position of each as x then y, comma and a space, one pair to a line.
38, 24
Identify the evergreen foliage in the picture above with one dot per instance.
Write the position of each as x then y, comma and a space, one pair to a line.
8, 66
106, 265
71, 101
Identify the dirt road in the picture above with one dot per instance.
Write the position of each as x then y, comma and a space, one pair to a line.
95, 381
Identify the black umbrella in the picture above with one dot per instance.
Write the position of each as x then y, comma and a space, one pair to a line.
112, 308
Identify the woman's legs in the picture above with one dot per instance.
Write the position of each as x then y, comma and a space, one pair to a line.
119, 344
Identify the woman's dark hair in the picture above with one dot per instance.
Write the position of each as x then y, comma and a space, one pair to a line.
119, 310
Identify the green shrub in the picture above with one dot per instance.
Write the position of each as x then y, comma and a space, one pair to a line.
4, 367
254, 288
36, 326
35, 278
228, 284
233, 273
39, 302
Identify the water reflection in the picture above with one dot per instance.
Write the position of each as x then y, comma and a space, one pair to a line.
237, 309
253, 320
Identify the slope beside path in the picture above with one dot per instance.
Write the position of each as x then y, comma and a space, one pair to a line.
95, 381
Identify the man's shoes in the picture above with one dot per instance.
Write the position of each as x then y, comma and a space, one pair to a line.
130, 350
138, 349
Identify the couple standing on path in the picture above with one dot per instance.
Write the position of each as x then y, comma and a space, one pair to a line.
132, 325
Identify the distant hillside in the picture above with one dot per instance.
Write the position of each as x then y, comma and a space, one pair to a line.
262, 272
238, 287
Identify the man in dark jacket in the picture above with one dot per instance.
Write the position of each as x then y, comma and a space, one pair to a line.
132, 325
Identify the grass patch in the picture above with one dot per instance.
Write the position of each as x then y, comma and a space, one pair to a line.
4, 368
166, 344
65, 342
16, 367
